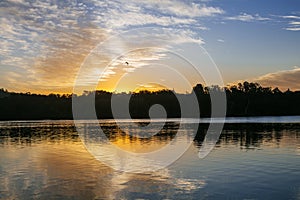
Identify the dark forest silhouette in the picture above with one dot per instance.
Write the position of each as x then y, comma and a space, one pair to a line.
243, 99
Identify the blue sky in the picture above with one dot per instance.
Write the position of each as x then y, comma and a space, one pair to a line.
44, 43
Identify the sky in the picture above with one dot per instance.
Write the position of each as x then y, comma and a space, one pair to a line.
50, 46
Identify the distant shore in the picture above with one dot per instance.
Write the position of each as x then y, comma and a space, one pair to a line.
243, 100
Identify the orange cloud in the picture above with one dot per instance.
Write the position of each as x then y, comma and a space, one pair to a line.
55, 68
64, 54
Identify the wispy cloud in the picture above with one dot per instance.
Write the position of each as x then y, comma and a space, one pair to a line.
244, 17
190, 10
162, 13
45, 41
290, 17
292, 28
151, 49
292, 22
61, 57
295, 23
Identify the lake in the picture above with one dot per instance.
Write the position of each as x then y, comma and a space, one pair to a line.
254, 158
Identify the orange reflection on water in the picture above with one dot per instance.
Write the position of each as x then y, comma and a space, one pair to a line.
139, 145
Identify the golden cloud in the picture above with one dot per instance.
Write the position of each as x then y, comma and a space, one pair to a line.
286, 79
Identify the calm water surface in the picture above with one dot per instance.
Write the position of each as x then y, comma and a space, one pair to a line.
252, 160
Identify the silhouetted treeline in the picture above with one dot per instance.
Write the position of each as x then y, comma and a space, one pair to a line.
22, 106
243, 99
251, 99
